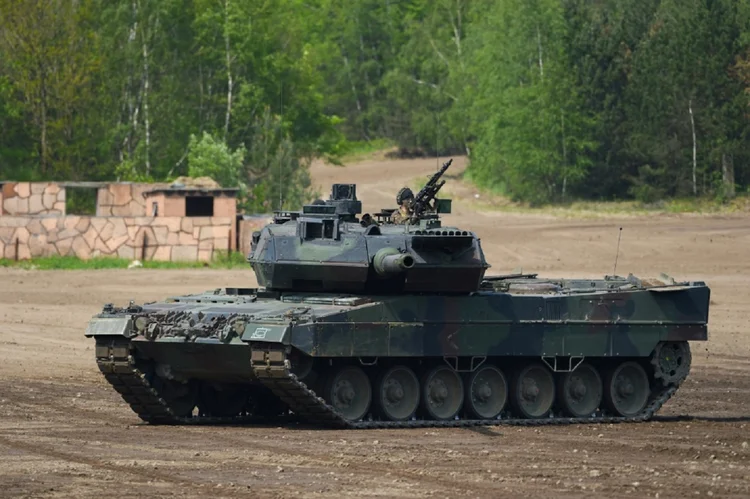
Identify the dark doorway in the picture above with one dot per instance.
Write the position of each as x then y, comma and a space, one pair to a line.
199, 206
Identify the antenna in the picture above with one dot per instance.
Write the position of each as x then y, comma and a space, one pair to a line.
617, 255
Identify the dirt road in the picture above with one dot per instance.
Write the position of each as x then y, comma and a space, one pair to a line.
64, 433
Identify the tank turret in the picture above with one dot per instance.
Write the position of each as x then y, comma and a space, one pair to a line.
326, 247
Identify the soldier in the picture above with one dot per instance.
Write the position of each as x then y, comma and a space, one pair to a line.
405, 200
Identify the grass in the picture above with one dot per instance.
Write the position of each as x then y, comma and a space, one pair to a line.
359, 150
220, 261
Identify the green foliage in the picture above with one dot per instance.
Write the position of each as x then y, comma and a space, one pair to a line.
270, 176
209, 157
533, 133
551, 100
229, 259
645, 188
354, 150
80, 201
115, 90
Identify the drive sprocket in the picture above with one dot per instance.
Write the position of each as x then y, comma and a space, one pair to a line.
671, 361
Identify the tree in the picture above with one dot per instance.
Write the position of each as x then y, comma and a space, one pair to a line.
210, 157
681, 99
532, 133
49, 53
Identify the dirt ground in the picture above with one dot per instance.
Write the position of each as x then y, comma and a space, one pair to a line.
64, 432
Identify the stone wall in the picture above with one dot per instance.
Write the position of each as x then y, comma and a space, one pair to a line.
124, 200
165, 238
32, 198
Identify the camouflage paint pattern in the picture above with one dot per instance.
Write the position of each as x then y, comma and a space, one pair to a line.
604, 323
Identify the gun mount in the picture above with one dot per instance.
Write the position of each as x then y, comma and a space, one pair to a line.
427, 194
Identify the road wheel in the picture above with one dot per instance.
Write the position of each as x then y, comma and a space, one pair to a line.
398, 393
580, 391
442, 393
486, 392
626, 390
349, 392
533, 391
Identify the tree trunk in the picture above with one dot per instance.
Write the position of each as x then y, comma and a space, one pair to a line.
695, 163
43, 125
539, 47
727, 174
229, 69
146, 122
129, 93
354, 90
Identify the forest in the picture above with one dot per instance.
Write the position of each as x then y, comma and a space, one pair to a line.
552, 100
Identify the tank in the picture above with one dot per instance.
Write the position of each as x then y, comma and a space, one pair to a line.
388, 320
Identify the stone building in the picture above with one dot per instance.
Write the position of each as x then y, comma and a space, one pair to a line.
132, 220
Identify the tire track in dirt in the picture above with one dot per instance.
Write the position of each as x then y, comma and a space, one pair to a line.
49, 451
42, 398
58, 405
376, 470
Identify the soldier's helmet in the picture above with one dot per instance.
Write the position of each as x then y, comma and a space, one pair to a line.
404, 194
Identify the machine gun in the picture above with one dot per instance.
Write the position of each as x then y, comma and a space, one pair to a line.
427, 194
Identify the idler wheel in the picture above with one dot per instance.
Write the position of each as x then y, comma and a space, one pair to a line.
626, 389
671, 361
398, 393
580, 391
349, 392
442, 393
486, 392
533, 391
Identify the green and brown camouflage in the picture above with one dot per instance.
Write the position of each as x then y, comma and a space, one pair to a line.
362, 324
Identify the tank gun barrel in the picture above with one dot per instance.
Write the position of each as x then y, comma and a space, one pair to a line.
389, 261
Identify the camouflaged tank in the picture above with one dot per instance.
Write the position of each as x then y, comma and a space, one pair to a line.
362, 322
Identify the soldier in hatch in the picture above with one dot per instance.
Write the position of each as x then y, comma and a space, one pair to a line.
405, 200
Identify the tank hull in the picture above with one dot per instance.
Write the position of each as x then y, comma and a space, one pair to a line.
526, 351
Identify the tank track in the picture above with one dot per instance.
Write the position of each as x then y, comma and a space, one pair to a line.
272, 368
116, 363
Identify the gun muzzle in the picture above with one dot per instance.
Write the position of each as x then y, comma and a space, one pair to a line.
389, 261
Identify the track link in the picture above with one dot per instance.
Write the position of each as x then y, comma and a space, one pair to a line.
271, 367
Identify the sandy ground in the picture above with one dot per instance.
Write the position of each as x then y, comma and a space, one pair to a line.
64, 432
